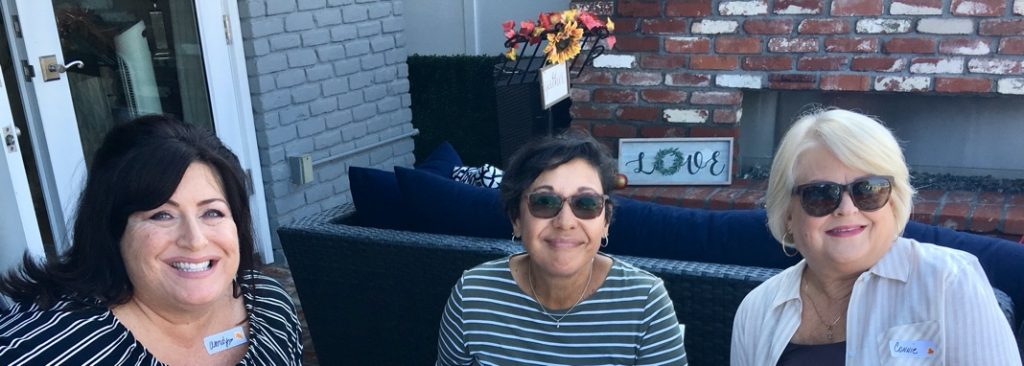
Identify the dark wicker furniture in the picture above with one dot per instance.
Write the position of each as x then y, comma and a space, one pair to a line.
374, 296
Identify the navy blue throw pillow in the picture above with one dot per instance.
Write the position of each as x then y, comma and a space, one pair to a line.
653, 230
441, 161
377, 198
443, 206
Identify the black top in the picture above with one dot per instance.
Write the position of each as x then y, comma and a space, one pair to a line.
813, 355
77, 332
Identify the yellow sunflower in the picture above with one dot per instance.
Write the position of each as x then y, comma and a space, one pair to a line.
564, 45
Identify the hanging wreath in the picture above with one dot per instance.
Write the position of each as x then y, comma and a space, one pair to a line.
677, 161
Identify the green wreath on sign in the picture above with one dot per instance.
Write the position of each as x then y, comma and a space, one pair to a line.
677, 161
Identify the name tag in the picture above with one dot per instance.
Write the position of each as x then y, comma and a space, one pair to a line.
225, 340
917, 348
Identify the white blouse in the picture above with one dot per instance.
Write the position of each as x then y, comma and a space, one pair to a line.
921, 304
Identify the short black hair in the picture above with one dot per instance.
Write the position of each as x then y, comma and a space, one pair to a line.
138, 167
549, 152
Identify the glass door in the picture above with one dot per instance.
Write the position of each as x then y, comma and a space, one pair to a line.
103, 62
127, 58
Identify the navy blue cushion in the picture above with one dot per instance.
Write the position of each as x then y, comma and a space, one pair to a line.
375, 192
1002, 260
443, 206
441, 160
377, 198
649, 229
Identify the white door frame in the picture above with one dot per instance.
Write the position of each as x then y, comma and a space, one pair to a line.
19, 230
55, 135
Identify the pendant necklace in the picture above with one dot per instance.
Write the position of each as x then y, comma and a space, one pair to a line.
828, 326
558, 320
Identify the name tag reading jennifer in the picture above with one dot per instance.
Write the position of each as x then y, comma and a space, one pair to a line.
225, 340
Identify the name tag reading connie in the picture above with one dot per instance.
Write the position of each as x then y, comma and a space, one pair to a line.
225, 340
918, 348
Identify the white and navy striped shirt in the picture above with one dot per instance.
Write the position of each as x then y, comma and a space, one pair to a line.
80, 333
489, 320
921, 304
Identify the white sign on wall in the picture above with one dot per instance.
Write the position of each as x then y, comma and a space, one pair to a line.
554, 84
676, 161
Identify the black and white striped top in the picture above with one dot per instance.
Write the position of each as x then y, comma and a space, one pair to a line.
489, 320
80, 333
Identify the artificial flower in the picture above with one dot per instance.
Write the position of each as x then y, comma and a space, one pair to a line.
544, 21
511, 53
565, 44
509, 27
589, 20
610, 25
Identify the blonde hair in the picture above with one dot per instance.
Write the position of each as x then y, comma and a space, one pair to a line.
858, 141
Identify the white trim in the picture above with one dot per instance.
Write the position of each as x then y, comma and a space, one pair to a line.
227, 80
54, 133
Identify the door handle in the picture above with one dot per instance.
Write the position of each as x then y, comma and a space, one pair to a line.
52, 69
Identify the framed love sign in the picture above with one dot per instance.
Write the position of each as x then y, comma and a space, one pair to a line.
677, 161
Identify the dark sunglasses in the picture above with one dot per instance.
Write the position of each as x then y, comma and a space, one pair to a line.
545, 205
822, 198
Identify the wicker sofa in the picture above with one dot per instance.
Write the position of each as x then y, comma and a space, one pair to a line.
374, 296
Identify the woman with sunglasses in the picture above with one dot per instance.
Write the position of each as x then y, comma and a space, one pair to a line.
839, 194
561, 301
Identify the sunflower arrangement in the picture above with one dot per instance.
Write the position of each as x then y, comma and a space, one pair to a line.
563, 31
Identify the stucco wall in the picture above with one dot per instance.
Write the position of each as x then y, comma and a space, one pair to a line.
327, 77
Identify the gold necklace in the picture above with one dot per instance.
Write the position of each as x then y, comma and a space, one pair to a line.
839, 315
558, 321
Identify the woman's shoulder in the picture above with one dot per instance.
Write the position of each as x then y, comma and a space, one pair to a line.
493, 268
27, 326
765, 293
264, 288
933, 258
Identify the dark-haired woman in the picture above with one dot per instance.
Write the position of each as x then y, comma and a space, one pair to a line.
561, 302
161, 268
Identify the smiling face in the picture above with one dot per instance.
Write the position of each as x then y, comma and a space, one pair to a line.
564, 244
185, 252
847, 240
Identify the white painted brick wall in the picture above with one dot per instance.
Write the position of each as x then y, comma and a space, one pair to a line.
980, 49
993, 66
1011, 86
708, 26
740, 81
886, 26
615, 61
972, 8
325, 77
729, 8
686, 115
903, 83
944, 66
908, 9
945, 26
793, 9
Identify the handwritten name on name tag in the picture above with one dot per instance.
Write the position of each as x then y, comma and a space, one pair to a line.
225, 340
917, 348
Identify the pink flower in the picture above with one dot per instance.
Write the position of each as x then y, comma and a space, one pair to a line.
589, 20
509, 26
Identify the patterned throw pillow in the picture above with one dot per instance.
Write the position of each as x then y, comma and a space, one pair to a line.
486, 176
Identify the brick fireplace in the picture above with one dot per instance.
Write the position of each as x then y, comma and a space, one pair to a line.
682, 68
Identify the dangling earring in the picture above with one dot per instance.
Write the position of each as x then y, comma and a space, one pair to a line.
788, 238
604, 241
513, 238
236, 289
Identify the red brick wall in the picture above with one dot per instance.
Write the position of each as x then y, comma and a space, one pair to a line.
681, 64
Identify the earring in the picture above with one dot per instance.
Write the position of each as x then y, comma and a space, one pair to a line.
788, 238
604, 241
513, 238
236, 289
